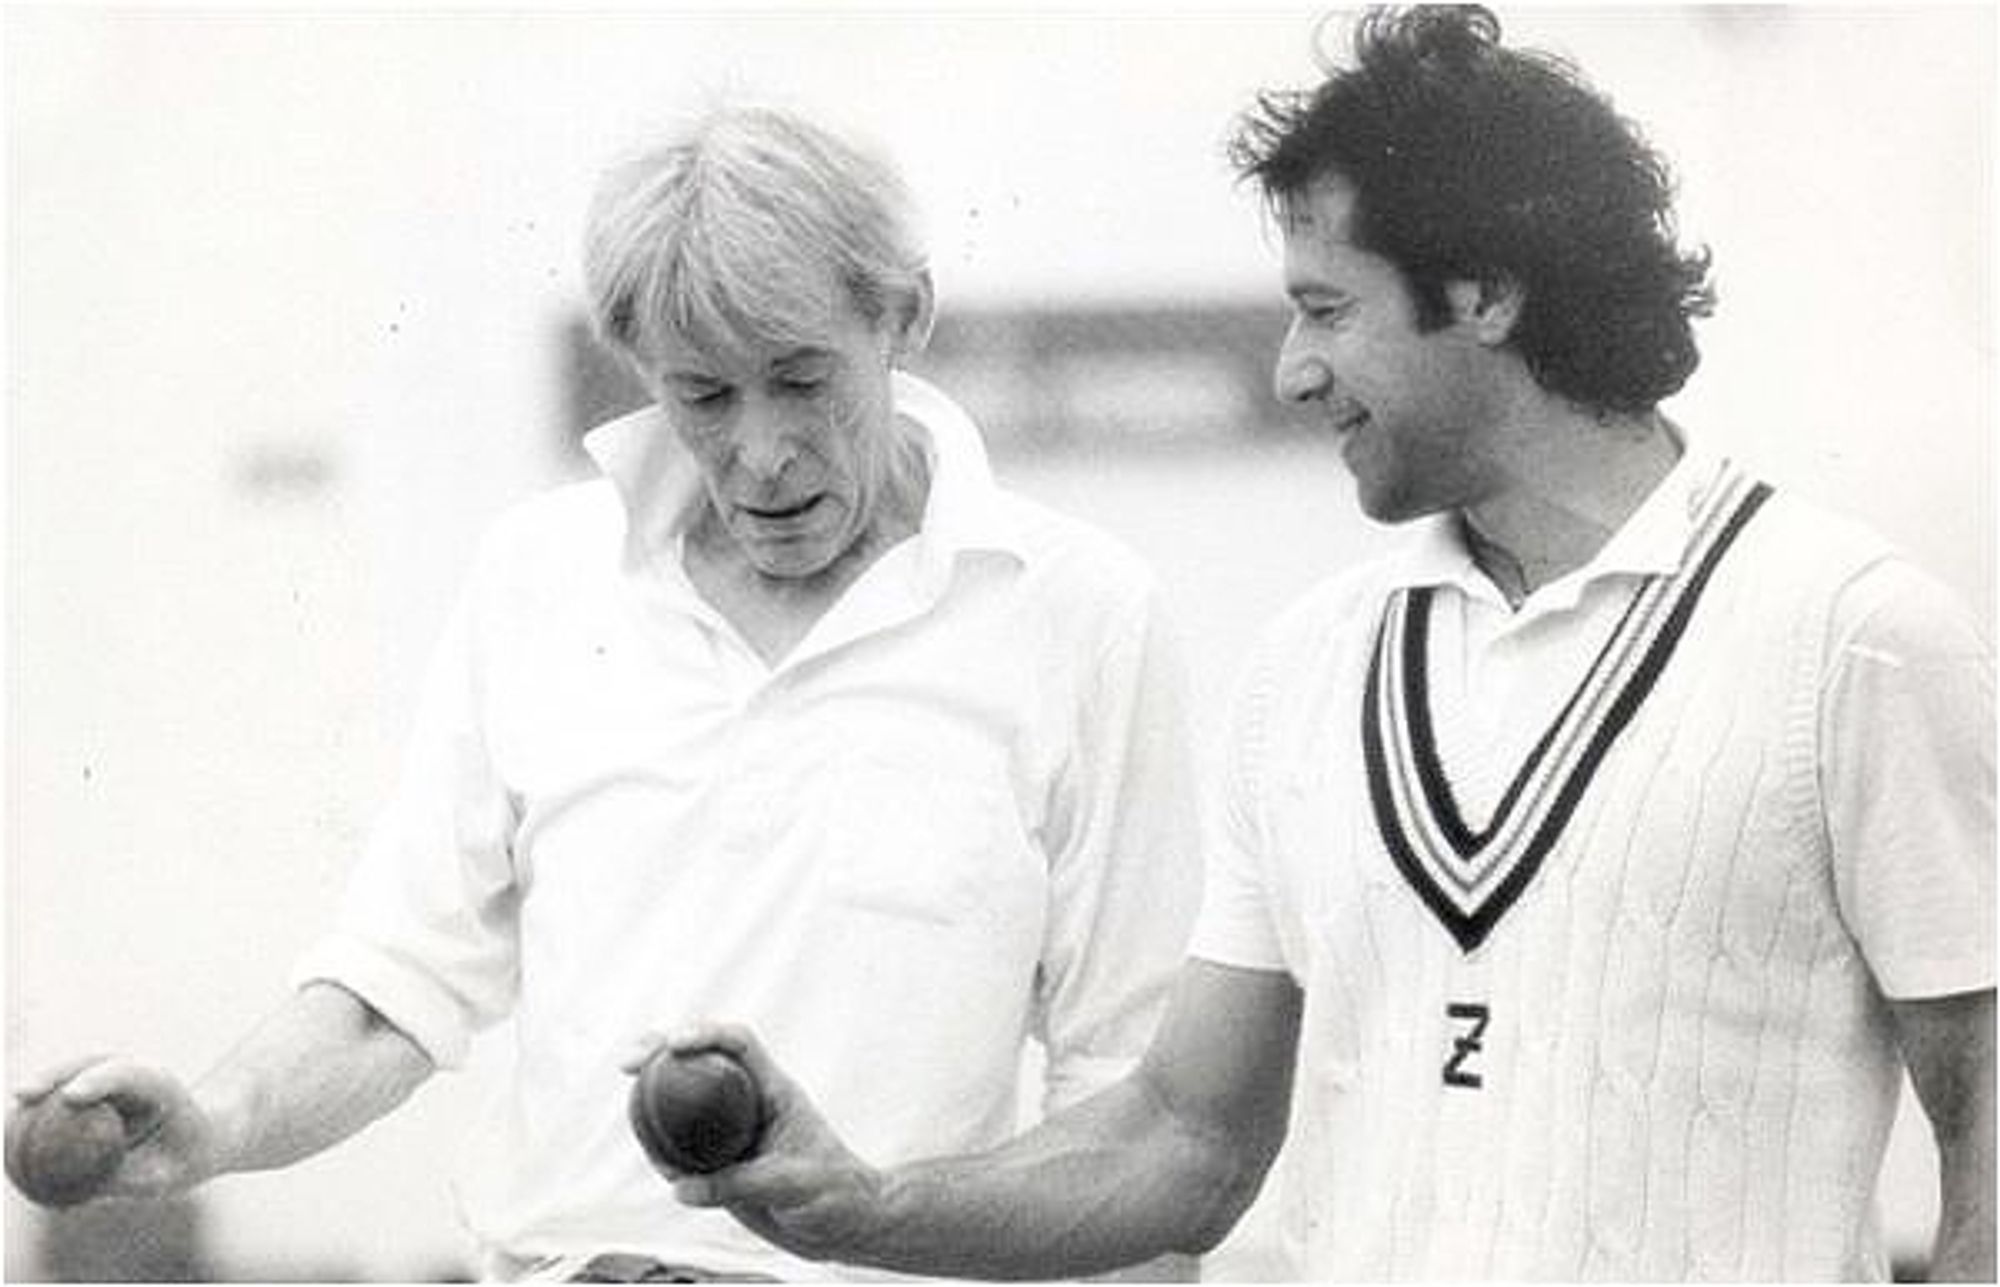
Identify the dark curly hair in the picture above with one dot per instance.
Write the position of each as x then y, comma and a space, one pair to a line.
1473, 161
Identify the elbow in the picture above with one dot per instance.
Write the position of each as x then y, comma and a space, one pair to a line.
357, 1021
1217, 1133
1206, 1232
1234, 1177
1201, 1241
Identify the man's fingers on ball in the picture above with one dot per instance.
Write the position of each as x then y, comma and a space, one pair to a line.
724, 1186
742, 1045
697, 1037
695, 1191
760, 1181
106, 1079
40, 1084
641, 1048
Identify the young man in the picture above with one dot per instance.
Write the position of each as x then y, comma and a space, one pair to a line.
794, 714
1600, 861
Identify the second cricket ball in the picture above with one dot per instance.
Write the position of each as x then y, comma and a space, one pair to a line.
696, 1112
61, 1155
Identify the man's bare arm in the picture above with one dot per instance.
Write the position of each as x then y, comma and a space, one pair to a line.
1163, 1161
1947, 1043
321, 1068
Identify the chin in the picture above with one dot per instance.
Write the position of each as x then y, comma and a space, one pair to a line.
1392, 500
789, 557
1383, 507
790, 569
1392, 510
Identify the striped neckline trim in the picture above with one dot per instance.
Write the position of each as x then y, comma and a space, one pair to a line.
1470, 878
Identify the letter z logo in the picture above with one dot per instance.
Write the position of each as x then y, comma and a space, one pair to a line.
1467, 1044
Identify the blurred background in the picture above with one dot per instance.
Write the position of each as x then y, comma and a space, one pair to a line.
292, 312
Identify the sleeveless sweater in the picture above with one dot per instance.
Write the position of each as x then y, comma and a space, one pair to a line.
1630, 1036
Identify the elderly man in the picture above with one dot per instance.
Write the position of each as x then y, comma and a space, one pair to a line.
1600, 861
793, 715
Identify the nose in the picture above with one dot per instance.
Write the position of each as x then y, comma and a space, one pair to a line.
1301, 375
765, 446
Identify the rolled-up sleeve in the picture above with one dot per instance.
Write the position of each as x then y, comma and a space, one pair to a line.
1125, 866
1906, 737
426, 931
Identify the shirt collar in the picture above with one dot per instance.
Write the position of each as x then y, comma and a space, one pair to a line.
965, 513
1653, 540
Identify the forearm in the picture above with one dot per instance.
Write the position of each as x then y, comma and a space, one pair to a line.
1963, 1251
313, 1074
1947, 1043
1118, 1180
1965, 1246
1160, 1163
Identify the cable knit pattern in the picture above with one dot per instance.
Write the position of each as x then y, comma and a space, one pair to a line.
1687, 1072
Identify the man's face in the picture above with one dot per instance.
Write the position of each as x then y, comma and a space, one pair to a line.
1410, 409
792, 440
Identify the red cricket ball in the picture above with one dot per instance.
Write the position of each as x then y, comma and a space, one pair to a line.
59, 1155
696, 1112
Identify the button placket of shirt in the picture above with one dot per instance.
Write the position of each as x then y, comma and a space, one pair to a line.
740, 672
889, 593
1498, 688
748, 787
1466, 715
1498, 722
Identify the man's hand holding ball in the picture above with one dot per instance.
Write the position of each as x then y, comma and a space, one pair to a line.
730, 1129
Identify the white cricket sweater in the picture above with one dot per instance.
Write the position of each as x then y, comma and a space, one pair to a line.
1651, 1050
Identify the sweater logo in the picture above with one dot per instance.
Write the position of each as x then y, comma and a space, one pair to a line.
1469, 879
1472, 1018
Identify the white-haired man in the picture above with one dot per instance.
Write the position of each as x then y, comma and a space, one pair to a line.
793, 715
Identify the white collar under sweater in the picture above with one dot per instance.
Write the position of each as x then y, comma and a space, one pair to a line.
1654, 539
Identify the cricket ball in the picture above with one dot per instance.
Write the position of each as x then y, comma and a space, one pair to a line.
59, 1154
696, 1112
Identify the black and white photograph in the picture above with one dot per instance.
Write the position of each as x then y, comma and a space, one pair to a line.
676, 643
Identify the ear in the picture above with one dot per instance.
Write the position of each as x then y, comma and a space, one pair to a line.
1489, 308
910, 319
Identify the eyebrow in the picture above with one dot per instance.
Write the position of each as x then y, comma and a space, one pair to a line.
1299, 292
804, 354
808, 353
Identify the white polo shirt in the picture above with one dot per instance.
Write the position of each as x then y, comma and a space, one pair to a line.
956, 817
1624, 1020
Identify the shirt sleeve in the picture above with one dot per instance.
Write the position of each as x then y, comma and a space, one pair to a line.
1906, 732
1235, 926
1124, 867
426, 931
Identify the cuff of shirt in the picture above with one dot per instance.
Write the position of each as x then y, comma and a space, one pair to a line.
1919, 979
1231, 950
424, 1011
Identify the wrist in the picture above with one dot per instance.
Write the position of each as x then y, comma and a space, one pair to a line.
884, 1225
210, 1133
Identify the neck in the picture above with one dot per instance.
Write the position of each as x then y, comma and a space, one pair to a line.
1575, 482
